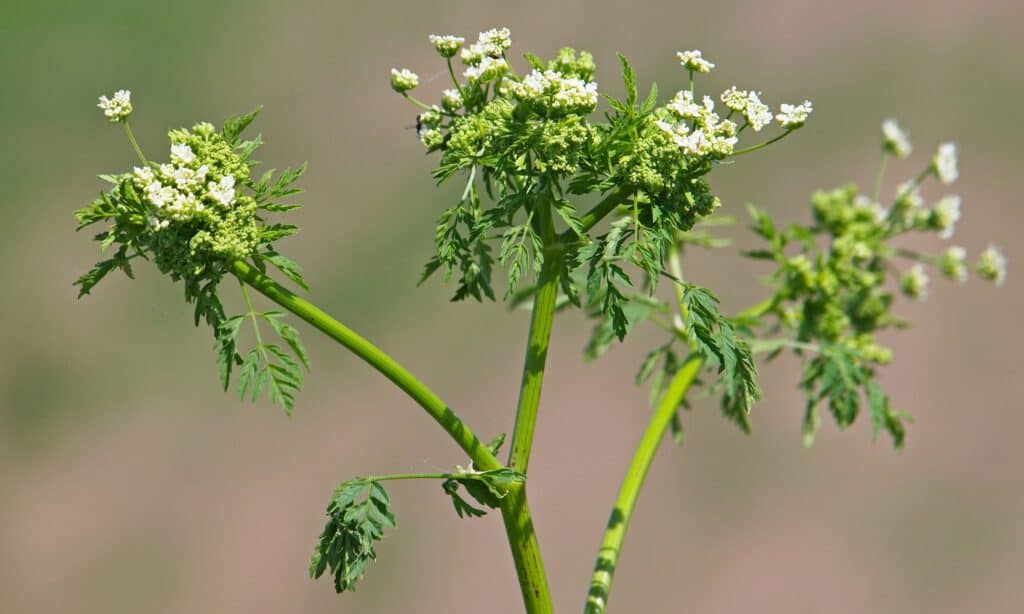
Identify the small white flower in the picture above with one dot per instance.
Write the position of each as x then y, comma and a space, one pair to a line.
403, 80
794, 116
757, 113
734, 99
944, 163
895, 140
992, 265
488, 69
451, 100
160, 195
552, 89
118, 107
946, 214
182, 154
223, 192
495, 41
431, 137
144, 175
878, 212
915, 282
185, 178
953, 263
684, 105
694, 60
473, 54
446, 45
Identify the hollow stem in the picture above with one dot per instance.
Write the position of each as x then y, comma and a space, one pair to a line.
618, 522
387, 366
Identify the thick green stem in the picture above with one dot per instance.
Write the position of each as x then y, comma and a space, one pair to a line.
618, 522
522, 540
541, 322
515, 510
449, 421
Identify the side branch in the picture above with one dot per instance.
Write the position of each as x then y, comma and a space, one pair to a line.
618, 522
387, 366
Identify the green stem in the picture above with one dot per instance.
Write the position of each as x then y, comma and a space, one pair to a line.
255, 322
135, 144
880, 177
600, 210
740, 152
387, 366
618, 522
408, 476
537, 345
522, 540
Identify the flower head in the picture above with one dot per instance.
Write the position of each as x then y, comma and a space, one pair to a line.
182, 154
953, 263
693, 60
914, 282
757, 113
403, 80
992, 265
451, 100
792, 117
945, 164
488, 69
495, 41
895, 140
446, 45
118, 107
945, 215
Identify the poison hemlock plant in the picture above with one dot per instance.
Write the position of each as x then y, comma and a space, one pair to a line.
578, 213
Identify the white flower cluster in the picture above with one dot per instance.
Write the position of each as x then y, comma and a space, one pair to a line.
946, 215
953, 263
429, 127
915, 282
179, 191
895, 140
945, 163
451, 100
694, 60
876, 209
757, 113
992, 265
794, 116
555, 91
447, 45
487, 69
118, 107
490, 44
709, 135
403, 80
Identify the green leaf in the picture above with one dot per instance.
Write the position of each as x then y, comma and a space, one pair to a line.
629, 79
357, 515
234, 126
287, 266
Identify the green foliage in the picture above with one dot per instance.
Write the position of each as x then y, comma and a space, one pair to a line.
193, 217
357, 515
486, 488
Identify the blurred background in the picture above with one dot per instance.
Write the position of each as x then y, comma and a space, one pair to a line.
130, 483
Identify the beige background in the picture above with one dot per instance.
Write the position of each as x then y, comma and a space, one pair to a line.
130, 483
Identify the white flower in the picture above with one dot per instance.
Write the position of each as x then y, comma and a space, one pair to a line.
487, 70
915, 282
694, 60
157, 223
144, 175
735, 99
684, 106
895, 140
878, 212
946, 215
495, 41
472, 54
552, 89
118, 107
182, 154
953, 263
447, 45
944, 163
794, 116
223, 192
451, 100
160, 195
757, 113
992, 265
431, 137
403, 80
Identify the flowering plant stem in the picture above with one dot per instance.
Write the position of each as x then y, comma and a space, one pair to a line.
426, 398
618, 521
515, 509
